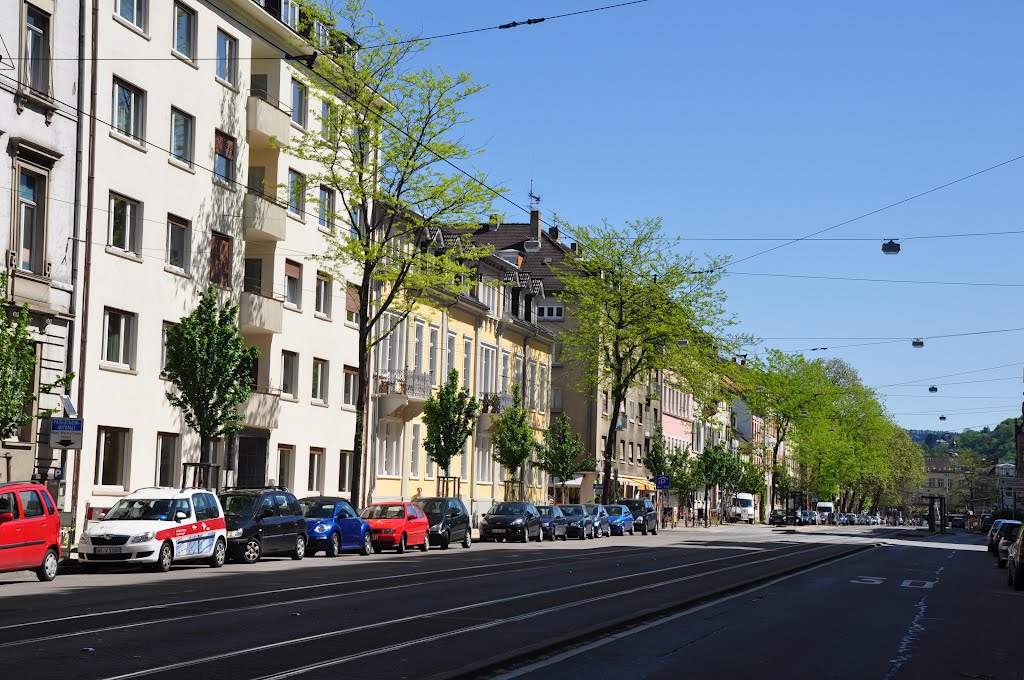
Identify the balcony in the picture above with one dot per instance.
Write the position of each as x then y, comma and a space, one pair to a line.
266, 119
262, 408
259, 313
264, 218
491, 404
402, 392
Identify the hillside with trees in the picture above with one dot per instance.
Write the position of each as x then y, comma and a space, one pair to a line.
990, 444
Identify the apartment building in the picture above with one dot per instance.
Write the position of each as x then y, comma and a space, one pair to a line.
40, 91
192, 185
488, 335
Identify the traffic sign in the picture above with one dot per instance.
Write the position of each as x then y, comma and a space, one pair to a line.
599, 487
1012, 484
66, 433
663, 482
58, 474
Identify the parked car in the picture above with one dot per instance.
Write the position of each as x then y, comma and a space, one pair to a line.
1005, 529
1003, 550
29, 530
957, 521
511, 520
397, 526
645, 516
553, 521
334, 526
156, 527
986, 523
807, 517
263, 521
580, 525
448, 521
1015, 563
777, 517
990, 538
599, 518
620, 520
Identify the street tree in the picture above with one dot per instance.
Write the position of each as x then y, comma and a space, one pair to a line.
17, 366
657, 461
385, 155
210, 370
685, 471
717, 467
513, 438
639, 308
449, 416
563, 455
750, 479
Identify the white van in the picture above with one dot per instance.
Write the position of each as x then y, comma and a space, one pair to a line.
742, 509
827, 509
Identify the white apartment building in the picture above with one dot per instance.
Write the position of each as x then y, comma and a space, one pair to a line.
39, 95
194, 109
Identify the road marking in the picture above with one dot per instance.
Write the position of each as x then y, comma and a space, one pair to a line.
869, 580
912, 583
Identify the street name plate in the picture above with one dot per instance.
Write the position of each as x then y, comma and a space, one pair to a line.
66, 433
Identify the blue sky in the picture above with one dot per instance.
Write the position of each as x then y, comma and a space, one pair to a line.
748, 119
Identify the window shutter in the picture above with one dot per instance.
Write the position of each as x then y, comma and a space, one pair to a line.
292, 269
224, 145
352, 299
220, 260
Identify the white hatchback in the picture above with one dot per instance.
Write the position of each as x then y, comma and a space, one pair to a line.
157, 526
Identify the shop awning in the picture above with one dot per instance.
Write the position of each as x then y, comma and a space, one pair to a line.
638, 482
571, 484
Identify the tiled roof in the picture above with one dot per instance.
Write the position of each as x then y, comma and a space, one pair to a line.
514, 237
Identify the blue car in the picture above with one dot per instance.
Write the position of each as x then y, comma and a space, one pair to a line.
334, 526
620, 519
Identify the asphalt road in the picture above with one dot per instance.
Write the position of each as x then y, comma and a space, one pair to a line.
921, 606
453, 613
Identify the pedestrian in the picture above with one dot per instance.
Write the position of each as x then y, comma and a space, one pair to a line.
418, 494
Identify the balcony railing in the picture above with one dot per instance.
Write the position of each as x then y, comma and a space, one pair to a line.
260, 312
495, 402
264, 218
266, 119
412, 384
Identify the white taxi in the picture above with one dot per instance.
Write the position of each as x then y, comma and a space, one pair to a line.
157, 526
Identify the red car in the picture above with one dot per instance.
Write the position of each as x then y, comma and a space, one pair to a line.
29, 530
397, 525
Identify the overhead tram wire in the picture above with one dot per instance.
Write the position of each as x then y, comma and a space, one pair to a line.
949, 375
858, 279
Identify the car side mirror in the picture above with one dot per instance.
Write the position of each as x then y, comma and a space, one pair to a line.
267, 512
180, 515
100, 516
6, 517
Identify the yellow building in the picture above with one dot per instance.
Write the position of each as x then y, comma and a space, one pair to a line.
491, 338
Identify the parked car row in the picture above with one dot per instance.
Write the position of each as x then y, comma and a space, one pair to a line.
1013, 558
779, 517
523, 521
1000, 541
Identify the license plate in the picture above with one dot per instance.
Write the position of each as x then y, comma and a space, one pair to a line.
108, 551
497, 531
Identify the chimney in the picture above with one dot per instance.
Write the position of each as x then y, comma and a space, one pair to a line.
553, 232
536, 228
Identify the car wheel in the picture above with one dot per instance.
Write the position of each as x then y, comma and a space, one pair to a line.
631, 531
583, 534
554, 535
334, 547
400, 548
164, 557
654, 529
1018, 579
219, 556
750, 521
643, 530
467, 540
526, 536
446, 538
252, 551
367, 545
300, 548
47, 571
426, 544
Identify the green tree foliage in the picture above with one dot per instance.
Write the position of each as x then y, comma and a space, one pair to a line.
785, 484
210, 368
716, 466
751, 478
383, 154
17, 365
657, 458
634, 302
563, 455
687, 476
450, 416
513, 438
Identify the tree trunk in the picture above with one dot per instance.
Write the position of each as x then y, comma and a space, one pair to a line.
205, 454
362, 389
772, 487
609, 448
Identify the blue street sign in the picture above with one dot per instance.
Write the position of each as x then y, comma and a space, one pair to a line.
663, 482
599, 487
66, 433
58, 473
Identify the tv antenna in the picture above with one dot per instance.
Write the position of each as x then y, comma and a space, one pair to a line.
534, 198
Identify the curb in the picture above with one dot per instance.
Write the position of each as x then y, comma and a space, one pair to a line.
508, 661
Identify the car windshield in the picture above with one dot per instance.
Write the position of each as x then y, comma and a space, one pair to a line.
591, 508
317, 509
573, 510
615, 510
240, 505
434, 506
507, 509
383, 512
546, 511
635, 506
145, 508
743, 503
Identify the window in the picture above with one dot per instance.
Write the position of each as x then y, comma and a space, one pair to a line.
487, 293
166, 459
31, 224
285, 457
31, 503
167, 325
450, 365
351, 385
467, 452
323, 294
178, 242
129, 111
111, 456
290, 13
391, 350
184, 31
300, 103
417, 346
125, 223
292, 283
117, 338
345, 472
296, 193
182, 131
35, 72
467, 361
414, 453
289, 373
505, 368
325, 119
388, 454
484, 467
542, 387
352, 304
223, 157
517, 375
488, 359
531, 386
227, 58
316, 468
220, 260
320, 371
326, 204
631, 452
134, 12
435, 340
321, 34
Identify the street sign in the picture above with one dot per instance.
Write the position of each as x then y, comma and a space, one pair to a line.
66, 433
58, 474
1012, 484
662, 482
599, 487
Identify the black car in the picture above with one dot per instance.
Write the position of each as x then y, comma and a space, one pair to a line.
645, 516
599, 518
449, 521
263, 521
554, 522
512, 521
580, 524
777, 517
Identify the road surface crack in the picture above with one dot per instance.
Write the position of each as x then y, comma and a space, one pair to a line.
696, 639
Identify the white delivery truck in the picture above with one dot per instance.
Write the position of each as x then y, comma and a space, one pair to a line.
742, 509
827, 511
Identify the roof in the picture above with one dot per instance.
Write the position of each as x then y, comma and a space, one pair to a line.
514, 237
941, 464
